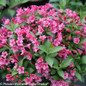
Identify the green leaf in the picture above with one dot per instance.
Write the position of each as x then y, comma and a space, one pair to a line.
43, 48
13, 3
53, 55
56, 64
65, 63
36, 54
48, 48
83, 59
21, 62
51, 45
3, 76
55, 77
12, 27
52, 71
36, 13
8, 27
3, 49
68, 20
67, 80
62, 4
79, 76
76, 4
16, 25
55, 49
83, 68
47, 44
37, 74
30, 70
13, 36
61, 73
23, 24
32, 33
78, 66
3, 2
51, 34
83, 40
11, 12
24, 1
14, 72
50, 60
53, 0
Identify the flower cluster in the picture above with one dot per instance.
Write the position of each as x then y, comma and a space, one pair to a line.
43, 44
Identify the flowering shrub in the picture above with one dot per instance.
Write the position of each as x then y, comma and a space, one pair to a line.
43, 45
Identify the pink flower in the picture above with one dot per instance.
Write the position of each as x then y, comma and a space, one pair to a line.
59, 35
23, 51
4, 54
71, 65
28, 45
20, 11
19, 42
50, 38
20, 70
37, 65
61, 26
19, 81
74, 14
67, 30
2, 62
6, 21
38, 79
14, 49
73, 72
42, 38
80, 51
62, 83
46, 23
84, 29
35, 49
15, 65
4, 41
19, 32
31, 19
69, 38
9, 77
53, 29
45, 66
14, 61
40, 60
40, 29
66, 75
32, 76
28, 80
74, 51
7, 61
42, 12
56, 42
76, 40
12, 42
68, 12
77, 32
29, 56
8, 69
